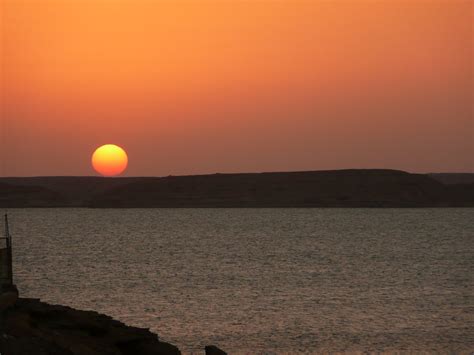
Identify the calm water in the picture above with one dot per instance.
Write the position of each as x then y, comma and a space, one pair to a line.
261, 280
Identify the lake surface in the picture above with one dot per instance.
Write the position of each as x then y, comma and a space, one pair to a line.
260, 281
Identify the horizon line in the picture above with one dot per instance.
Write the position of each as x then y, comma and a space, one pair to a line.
231, 173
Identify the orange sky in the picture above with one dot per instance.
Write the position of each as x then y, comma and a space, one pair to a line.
202, 86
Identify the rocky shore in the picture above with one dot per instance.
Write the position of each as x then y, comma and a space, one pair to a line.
33, 327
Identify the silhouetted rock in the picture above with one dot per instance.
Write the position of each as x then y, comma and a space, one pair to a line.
34, 327
8, 297
214, 350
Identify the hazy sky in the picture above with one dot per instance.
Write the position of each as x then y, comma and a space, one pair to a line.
237, 86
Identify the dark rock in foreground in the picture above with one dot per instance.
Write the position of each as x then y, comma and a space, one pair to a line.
34, 327
214, 350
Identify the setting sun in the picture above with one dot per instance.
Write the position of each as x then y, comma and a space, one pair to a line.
109, 160
312, 157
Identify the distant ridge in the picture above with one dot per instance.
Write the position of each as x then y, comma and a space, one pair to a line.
336, 188
453, 178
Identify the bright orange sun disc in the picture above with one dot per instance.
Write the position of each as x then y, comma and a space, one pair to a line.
110, 160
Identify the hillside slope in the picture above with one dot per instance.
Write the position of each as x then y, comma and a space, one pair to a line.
339, 188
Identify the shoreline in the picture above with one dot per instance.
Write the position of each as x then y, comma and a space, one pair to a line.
31, 326
361, 188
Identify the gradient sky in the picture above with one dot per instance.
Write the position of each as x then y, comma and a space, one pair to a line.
203, 86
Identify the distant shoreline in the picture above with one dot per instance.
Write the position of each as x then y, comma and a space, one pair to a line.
311, 189
242, 208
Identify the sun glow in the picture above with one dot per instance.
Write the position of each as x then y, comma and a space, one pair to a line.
110, 160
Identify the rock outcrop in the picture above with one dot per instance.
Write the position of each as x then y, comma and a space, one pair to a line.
33, 327
8, 297
214, 350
